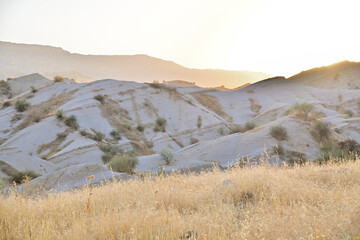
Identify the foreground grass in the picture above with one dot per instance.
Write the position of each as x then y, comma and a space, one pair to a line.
310, 202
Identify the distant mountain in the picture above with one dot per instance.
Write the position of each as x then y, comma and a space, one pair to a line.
345, 75
23, 59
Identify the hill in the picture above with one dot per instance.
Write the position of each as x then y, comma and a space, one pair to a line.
22, 59
67, 131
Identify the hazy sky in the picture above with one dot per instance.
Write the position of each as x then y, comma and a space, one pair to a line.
280, 37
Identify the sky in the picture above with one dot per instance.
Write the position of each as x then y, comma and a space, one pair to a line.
278, 37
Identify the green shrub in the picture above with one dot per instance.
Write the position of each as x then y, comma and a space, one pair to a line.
37, 119
59, 114
235, 129
71, 122
21, 105
301, 110
320, 131
58, 79
84, 133
21, 176
160, 124
115, 133
99, 136
61, 135
110, 151
167, 156
2, 184
127, 126
349, 113
100, 98
249, 126
331, 151
221, 131
193, 140
140, 128
278, 132
123, 163
296, 158
33, 90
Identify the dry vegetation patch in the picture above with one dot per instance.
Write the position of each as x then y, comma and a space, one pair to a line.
210, 102
309, 202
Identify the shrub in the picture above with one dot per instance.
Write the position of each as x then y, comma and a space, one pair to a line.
100, 98
297, 158
58, 79
59, 114
278, 132
127, 126
37, 119
193, 140
221, 131
331, 150
21, 105
109, 151
84, 133
155, 84
1, 183
99, 136
123, 163
199, 122
71, 122
116, 134
303, 110
140, 128
22, 176
61, 135
6, 104
235, 129
249, 126
167, 156
350, 146
349, 113
33, 90
320, 131
160, 124
278, 149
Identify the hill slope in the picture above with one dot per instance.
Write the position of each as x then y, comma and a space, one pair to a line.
22, 59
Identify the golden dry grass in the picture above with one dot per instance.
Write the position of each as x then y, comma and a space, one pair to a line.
310, 202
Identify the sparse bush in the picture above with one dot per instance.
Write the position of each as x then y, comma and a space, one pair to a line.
320, 131
296, 158
278, 149
140, 128
61, 135
331, 151
123, 163
155, 84
303, 110
21, 105
221, 131
22, 176
100, 98
235, 129
167, 156
194, 140
160, 124
278, 132
199, 121
2, 184
33, 89
349, 113
84, 133
59, 114
116, 134
249, 126
71, 122
110, 151
99, 136
6, 104
58, 79
37, 119
127, 126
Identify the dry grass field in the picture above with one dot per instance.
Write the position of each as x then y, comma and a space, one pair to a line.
308, 202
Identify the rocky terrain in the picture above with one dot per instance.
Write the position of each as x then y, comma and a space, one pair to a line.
67, 131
